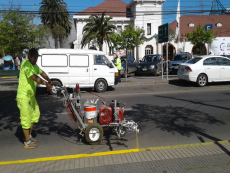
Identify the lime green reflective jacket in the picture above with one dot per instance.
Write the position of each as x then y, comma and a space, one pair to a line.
118, 63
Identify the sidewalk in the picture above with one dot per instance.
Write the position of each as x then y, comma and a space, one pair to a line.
202, 158
145, 80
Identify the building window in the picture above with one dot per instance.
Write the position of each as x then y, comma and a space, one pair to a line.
119, 29
148, 50
148, 28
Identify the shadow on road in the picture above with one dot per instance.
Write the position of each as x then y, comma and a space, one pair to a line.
183, 121
183, 83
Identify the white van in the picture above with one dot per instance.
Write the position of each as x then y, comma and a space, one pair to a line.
88, 68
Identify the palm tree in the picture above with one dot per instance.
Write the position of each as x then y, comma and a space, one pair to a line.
97, 29
54, 14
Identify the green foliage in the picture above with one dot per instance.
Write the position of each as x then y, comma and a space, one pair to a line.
199, 36
97, 30
54, 14
129, 38
17, 32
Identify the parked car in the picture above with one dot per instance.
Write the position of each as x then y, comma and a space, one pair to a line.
204, 69
228, 56
150, 64
131, 65
177, 60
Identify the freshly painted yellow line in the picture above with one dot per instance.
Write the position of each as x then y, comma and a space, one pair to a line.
137, 140
10, 77
110, 153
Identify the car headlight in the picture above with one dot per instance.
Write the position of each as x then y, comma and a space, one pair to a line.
152, 66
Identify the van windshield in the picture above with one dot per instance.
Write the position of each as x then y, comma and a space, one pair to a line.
101, 60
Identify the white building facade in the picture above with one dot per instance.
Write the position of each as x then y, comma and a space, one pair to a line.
145, 14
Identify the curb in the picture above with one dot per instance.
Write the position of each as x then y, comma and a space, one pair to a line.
112, 153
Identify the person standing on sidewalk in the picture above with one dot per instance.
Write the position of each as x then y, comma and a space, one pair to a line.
118, 65
26, 102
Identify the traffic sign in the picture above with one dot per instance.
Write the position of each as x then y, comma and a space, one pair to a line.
208, 26
163, 33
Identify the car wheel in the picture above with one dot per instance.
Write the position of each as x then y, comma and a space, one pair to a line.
136, 74
101, 86
202, 80
94, 133
123, 131
54, 91
156, 72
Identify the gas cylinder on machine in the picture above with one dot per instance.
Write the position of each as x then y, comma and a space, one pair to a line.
121, 114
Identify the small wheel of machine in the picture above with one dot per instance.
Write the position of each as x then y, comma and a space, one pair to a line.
94, 133
53, 91
123, 131
202, 80
100, 86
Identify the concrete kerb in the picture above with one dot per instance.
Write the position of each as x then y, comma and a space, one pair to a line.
112, 153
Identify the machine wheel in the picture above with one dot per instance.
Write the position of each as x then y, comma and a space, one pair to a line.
55, 82
101, 86
94, 133
202, 80
123, 131
156, 72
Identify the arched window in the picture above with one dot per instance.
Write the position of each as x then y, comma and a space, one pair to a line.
148, 50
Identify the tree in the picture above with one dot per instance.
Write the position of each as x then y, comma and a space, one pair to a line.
54, 14
97, 30
199, 37
17, 32
128, 39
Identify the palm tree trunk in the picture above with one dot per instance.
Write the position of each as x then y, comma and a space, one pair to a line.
60, 42
56, 43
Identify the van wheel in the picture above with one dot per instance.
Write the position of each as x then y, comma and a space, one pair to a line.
101, 86
53, 91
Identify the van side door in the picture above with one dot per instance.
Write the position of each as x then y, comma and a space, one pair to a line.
79, 70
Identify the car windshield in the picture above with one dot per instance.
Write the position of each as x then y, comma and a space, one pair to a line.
149, 58
194, 60
180, 58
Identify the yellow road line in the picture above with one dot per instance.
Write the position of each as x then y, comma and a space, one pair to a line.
110, 153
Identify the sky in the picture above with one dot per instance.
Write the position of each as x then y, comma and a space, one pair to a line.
186, 6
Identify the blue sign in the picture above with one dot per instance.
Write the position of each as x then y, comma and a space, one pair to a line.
209, 26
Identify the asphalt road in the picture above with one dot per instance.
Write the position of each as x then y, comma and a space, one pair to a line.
170, 113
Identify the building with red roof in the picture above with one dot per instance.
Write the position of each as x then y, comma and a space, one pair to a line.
144, 14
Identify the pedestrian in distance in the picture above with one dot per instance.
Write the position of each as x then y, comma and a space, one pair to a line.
26, 102
118, 65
